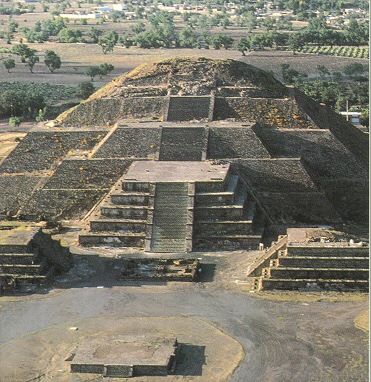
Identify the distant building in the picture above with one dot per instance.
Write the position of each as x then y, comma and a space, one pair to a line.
80, 16
352, 116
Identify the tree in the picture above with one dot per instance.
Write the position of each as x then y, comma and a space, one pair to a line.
85, 89
31, 61
52, 60
221, 40
187, 38
93, 71
108, 42
9, 63
295, 42
14, 121
323, 71
244, 45
354, 69
23, 51
105, 69
95, 34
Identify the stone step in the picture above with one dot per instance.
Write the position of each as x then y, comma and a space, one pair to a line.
15, 248
169, 245
226, 242
22, 269
318, 273
327, 251
25, 279
124, 225
134, 186
324, 262
214, 198
130, 198
125, 212
17, 258
232, 183
112, 239
209, 227
210, 186
234, 211
301, 284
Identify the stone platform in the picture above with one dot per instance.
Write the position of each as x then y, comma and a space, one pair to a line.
160, 269
125, 356
174, 171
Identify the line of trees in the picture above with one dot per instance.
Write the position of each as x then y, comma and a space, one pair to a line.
30, 57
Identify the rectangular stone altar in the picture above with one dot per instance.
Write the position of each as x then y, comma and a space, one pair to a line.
125, 356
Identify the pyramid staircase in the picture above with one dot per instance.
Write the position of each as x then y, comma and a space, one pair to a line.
225, 216
172, 220
22, 264
329, 267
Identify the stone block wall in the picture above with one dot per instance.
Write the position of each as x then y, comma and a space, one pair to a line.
87, 174
53, 205
325, 154
15, 190
41, 150
235, 142
285, 189
188, 108
274, 112
107, 111
353, 138
131, 142
186, 143
276, 175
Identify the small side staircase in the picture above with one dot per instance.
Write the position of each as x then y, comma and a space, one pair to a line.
326, 267
122, 217
225, 217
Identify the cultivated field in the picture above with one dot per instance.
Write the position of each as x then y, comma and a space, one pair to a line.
77, 57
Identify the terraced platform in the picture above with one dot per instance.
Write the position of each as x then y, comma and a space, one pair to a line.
336, 266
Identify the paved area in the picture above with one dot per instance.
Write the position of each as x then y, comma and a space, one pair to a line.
164, 171
305, 340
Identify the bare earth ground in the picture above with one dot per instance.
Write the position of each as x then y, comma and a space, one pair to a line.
77, 57
284, 336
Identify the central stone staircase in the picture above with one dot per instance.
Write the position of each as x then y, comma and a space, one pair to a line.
225, 216
338, 267
169, 232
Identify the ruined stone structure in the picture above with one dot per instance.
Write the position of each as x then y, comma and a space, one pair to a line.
29, 256
125, 356
189, 154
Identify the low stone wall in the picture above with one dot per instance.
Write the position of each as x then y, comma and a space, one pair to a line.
235, 142
40, 150
131, 142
